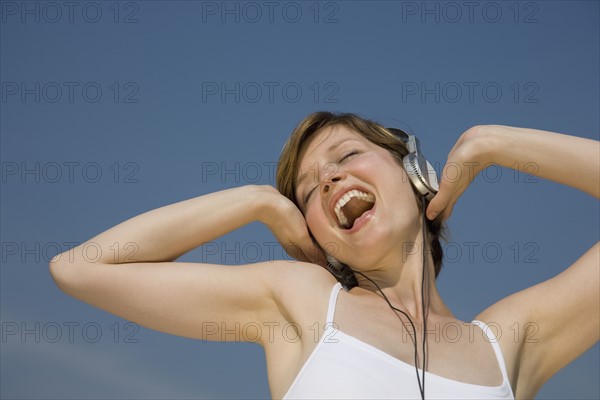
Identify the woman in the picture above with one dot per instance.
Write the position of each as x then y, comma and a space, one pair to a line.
345, 196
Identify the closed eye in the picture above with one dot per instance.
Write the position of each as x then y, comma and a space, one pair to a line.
308, 195
349, 154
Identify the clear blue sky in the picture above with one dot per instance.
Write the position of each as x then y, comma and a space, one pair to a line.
109, 110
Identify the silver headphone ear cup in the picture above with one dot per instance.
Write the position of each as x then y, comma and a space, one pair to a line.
425, 181
420, 172
432, 178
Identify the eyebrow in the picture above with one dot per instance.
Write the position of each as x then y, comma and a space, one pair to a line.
303, 176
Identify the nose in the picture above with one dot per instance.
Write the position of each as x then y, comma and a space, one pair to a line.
332, 177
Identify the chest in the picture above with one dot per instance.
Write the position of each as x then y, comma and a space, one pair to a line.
456, 350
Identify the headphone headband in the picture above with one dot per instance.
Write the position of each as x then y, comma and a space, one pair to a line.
411, 141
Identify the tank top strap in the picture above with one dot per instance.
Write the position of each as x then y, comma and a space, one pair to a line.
495, 345
332, 301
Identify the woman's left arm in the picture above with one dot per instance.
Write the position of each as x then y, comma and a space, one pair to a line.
565, 309
570, 160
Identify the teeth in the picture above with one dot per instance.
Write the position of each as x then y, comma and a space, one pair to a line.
345, 199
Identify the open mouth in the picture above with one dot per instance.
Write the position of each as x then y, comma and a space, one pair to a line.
351, 206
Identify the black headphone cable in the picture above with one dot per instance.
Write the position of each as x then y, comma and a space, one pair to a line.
425, 314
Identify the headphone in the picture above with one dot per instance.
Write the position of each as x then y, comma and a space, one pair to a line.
419, 170
423, 177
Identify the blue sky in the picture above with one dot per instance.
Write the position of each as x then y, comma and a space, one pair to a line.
112, 109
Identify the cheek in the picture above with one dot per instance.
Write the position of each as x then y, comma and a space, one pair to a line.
316, 222
312, 219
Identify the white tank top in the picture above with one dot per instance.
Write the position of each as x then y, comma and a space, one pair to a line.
343, 367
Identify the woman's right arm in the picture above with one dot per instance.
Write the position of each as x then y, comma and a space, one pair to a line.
133, 276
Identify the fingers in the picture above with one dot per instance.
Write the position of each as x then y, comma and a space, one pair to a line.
296, 252
439, 202
442, 205
459, 171
306, 251
314, 254
317, 256
311, 249
434, 208
451, 188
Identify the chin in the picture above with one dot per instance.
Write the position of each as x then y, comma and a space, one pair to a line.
370, 249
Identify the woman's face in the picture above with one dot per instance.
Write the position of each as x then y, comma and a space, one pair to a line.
380, 213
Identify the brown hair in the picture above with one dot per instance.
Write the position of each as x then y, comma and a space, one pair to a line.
314, 123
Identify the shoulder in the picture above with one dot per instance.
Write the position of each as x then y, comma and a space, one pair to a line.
546, 326
508, 323
297, 276
297, 288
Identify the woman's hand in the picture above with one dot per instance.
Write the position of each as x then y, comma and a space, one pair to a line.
519, 149
287, 223
466, 159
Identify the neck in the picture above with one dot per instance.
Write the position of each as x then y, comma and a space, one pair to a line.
406, 289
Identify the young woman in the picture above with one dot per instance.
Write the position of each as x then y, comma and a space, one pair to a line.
344, 196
